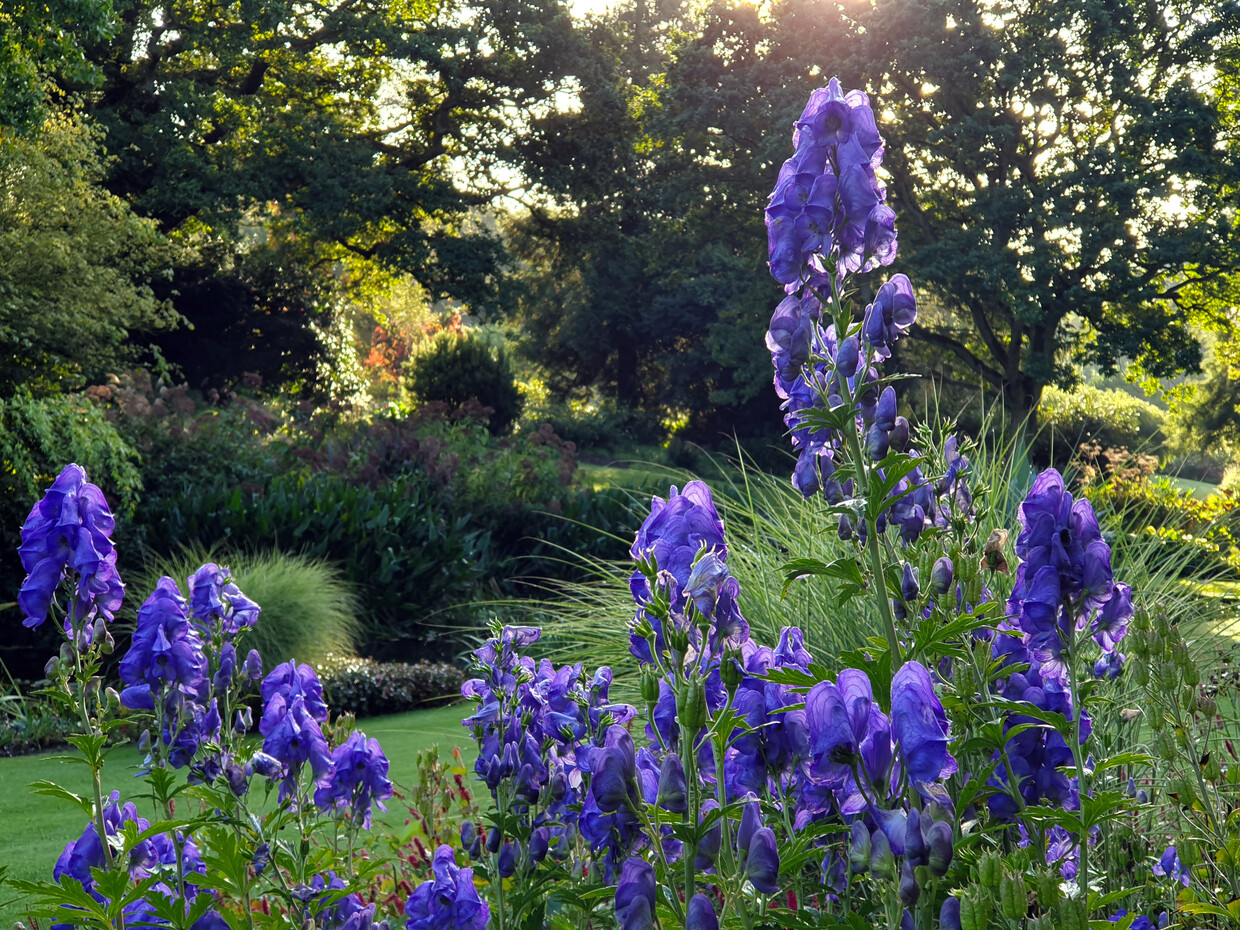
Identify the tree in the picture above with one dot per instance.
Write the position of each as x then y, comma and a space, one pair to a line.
1055, 165
355, 129
76, 266
41, 41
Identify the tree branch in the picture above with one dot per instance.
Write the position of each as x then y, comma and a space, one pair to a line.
960, 350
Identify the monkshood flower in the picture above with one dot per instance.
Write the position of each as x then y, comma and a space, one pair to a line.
849, 734
683, 536
166, 653
70, 528
219, 603
1170, 866
700, 914
293, 738
635, 895
919, 725
291, 681
449, 900
347, 913
153, 856
359, 778
1037, 754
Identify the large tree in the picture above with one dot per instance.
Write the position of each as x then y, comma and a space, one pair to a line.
1056, 166
77, 267
296, 134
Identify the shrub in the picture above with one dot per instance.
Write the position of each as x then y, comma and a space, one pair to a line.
309, 608
409, 555
1111, 417
366, 688
457, 368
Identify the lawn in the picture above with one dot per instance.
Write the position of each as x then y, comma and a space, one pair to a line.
35, 829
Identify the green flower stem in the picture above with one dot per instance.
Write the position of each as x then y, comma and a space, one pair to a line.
729, 863
96, 766
691, 808
861, 473
1079, 758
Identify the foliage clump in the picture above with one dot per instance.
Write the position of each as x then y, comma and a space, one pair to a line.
456, 369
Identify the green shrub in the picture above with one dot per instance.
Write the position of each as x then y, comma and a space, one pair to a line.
409, 556
457, 368
1111, 417
309, 608
366, 688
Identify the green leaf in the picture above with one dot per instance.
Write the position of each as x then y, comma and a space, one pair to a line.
50, 789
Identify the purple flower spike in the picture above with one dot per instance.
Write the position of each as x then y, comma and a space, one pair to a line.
359, 778
70, 528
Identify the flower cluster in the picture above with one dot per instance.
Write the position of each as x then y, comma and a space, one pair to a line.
448, 901
1064, 583
828, 206
70, 529
154, 858
547, 747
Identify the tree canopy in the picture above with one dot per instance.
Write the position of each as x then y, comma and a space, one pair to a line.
1057, 167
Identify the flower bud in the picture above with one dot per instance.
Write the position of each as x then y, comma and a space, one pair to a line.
859, 850
847, 356
949, 914
673, 793
941, 576
253, 665
52, 667
709, 844
762, 862
882, 862
1206, 704
469, 833
877, 443
507, 865
910, 891
112, 698
540, 842
885, 412
701, 914
909, 587
243, 721
939, 848
899, 435
144, 741
494, 839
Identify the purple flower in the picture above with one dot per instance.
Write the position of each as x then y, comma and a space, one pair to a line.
448, 901
1170, 866
359, 778
762, 861
891, 315
635, 895
218, 601
677, 528
166, 651
292, 736
290, 681
70, 528
705, 578
701, 914
614, 783
919, 724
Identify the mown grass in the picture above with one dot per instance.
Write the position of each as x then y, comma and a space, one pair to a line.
35, 829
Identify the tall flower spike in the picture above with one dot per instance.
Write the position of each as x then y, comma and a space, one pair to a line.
70, 528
